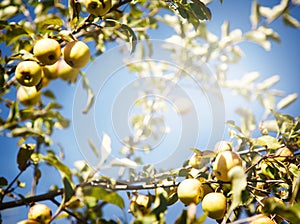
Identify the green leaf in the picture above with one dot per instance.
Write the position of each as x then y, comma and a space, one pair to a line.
182, 12
3, 182
52, 160
290, 21
49, 94
105, 149
287, 101
132, 37
274, 12
162, 205
267, 141
93, 147
24, 155
238, 185
124, 162
14, 34
90, 93
291, 214
200, 9
98, 193
255, 16
172, 198
68, 189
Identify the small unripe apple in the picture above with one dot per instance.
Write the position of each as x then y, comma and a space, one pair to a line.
28, 222
47, 51
224, 162
28, 96
28, 73
40, 213
140, 203
190, 191
76, 54
215, 205
97, 7
262, 220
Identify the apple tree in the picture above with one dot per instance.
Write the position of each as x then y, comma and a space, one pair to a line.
246, 171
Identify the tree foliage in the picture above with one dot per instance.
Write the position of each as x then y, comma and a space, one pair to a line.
268, 180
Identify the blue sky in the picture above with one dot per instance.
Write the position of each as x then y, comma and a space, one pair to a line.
283, 59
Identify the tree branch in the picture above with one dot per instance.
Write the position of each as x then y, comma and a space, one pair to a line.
43, 197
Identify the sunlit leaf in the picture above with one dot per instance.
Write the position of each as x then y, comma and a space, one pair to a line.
267, 141
105, 148
93, 147
274, 12
90, 100
255, 16
268, 83
52, 160
290, 21
125, 162
287, 101
99, 193
238, 185
132, 37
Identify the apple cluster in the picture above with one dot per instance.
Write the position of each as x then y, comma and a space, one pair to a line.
38, 214
49, 62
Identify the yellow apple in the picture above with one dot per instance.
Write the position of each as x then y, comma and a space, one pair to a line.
224, 162
262, 220
190, 191
28, 96
50, 71
66, 72
28, 73
76, 54
97, 7
40, 213
47, 51
61, 70
215, 205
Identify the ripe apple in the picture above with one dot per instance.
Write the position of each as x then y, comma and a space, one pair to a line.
214, 204
76, 54
28, 73
262, 220
140, 203
61, 70
28, 222
28, 96
97, 7
190, 191
47, 51
224, 162
40, 213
